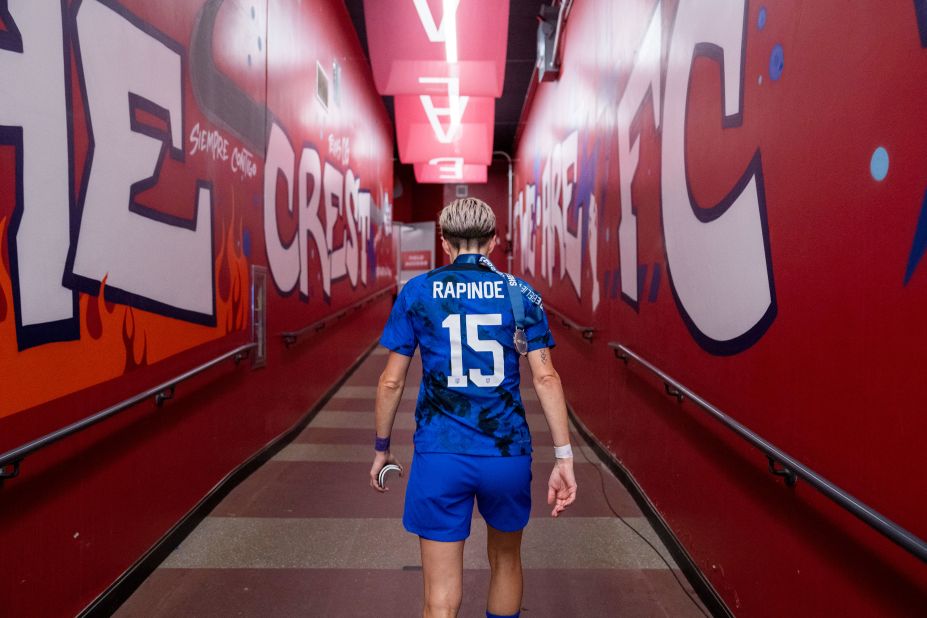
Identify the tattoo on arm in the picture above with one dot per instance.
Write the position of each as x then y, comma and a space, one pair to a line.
543, 357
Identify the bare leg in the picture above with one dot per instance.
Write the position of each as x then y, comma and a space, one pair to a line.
505, 585
442, 569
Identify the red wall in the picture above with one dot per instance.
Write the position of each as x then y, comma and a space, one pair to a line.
779, 276
125, 262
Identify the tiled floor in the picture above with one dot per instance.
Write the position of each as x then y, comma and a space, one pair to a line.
306, 536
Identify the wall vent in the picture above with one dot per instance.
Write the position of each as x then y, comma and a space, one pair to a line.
321, 85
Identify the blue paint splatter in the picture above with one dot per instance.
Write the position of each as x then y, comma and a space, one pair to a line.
776, 62
655, 283
878, 164
371, 257
585, 186
920, 242
641, 275
260, 44
761, 18
246, 242
252, 13
920, 12
249, 60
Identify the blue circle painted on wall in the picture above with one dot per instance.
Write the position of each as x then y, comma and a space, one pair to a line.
246, 242
776, 62
878, 164
761, 18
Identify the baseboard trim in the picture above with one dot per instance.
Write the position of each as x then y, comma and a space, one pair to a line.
703, 588
120, 590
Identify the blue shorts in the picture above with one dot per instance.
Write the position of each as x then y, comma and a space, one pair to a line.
441, 488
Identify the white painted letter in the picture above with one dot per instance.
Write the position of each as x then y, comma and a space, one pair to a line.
351, 198
32, 100
717, 256
644, 79
159, 262
283, 259
310, 166
333, 188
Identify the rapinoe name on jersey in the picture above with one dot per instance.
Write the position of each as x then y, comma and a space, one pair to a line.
468, 289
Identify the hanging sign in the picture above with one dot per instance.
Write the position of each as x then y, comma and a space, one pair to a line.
413, 39
429, 127
450, 170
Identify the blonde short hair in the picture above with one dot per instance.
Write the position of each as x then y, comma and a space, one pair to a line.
467, 219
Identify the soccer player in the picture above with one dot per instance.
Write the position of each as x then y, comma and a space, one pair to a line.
471, 322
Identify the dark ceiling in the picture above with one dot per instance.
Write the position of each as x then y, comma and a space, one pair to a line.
519, 64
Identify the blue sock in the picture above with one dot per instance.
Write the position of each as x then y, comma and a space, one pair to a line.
489, 615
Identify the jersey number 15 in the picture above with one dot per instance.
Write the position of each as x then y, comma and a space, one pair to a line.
457, 379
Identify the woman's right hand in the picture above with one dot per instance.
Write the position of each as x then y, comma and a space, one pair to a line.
380, 459
561, 488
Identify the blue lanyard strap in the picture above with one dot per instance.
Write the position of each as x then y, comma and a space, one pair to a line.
518, 307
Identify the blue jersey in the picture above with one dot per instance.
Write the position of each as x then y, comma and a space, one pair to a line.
460, 316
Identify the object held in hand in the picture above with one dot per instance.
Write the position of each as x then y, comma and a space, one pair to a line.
384, 473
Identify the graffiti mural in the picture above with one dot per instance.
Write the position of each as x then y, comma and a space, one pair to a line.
149, 154
735, 190
716, 251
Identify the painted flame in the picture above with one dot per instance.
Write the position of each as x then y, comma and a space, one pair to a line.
114, 339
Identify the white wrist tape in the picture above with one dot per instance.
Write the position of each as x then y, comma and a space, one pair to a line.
562, 452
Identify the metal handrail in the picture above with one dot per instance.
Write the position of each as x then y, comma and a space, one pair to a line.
292, 337
782, 464
587, 331
10, 460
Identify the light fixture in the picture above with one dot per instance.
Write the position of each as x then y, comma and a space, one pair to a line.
549, 22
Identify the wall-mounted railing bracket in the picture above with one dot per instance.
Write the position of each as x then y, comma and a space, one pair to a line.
164, 395
672, 391
776, 467
586, 332
9, 471
241, 356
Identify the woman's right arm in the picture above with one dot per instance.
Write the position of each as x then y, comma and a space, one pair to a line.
389, 393
561, 488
